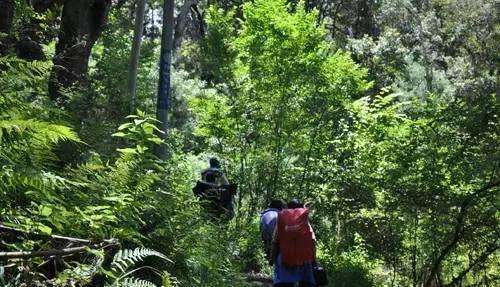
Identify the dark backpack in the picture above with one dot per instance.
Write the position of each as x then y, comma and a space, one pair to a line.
320, 276
218, 201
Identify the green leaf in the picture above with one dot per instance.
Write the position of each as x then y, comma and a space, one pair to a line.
156, 140
125, 126
138, 122
119, 134
44, 229
45, 211
127, 150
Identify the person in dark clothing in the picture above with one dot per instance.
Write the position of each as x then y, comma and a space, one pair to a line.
213, 174
216, 192
268, 225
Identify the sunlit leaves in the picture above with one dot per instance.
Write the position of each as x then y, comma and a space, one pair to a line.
142, 131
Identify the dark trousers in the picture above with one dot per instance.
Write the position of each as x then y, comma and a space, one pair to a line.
301, 284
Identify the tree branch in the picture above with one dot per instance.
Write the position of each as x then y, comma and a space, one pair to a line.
53, 252
458, 231
479, 260
15, 231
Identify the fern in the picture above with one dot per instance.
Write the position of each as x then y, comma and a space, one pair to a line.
125, 258
45, 133
134, 282
22, 139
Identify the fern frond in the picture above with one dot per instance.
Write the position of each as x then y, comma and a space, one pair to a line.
30, 141
125, 258
46, 133
134, 282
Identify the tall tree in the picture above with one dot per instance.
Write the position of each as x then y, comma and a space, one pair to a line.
81, 24
135, 53
180, 23
6, 18
167, 42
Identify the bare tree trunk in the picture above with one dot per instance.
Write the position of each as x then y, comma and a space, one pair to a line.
162, 104
414, 251
136, 51
199, 17
81, 24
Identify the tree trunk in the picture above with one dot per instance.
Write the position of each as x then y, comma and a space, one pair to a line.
365, 21
167, 41
180, 23
136, 51
199, 17
6, 18
81, 24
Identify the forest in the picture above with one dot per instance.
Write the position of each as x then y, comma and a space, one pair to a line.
381, 115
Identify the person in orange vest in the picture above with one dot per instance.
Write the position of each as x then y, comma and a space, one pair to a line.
294, 248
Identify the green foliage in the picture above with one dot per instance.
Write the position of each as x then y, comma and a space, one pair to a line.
352, 268
393, 167
382, 115
142, 131
216, 52
124, 258
287, 83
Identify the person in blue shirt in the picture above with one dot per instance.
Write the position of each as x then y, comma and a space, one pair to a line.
268, 225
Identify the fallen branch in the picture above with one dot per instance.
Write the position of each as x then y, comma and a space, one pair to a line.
30, 234
87, 244
54, 252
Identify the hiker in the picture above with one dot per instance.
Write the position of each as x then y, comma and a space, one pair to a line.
213, 175
216, 192
294, 248
268, 225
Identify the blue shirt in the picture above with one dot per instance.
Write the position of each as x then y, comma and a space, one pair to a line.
268, 225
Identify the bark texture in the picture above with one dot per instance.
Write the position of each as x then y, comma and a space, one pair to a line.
6, 18
180, 23
167, 42
136, 52
81, 24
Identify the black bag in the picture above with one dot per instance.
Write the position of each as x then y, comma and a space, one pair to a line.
320, 276
218, 201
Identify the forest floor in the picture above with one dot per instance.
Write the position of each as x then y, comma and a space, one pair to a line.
259, 280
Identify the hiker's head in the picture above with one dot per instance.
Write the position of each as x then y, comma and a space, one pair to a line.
276, 203
214, 163
295, 203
